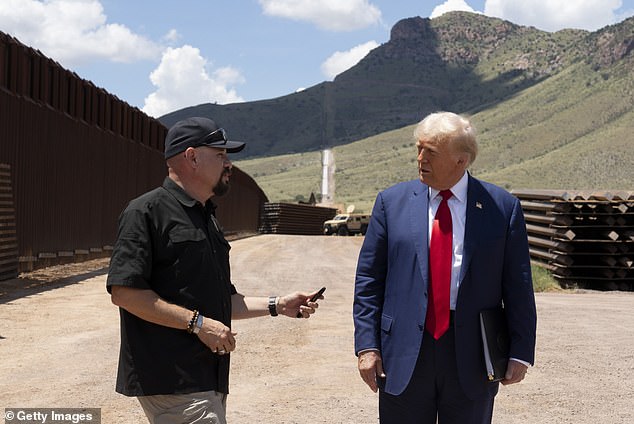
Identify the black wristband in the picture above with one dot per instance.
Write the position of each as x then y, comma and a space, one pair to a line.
273, 306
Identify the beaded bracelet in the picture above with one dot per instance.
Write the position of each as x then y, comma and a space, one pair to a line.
192, 322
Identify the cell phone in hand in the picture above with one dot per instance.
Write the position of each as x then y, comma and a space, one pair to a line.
314, 298
318, 294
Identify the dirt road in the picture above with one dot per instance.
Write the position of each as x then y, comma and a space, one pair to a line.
59, 347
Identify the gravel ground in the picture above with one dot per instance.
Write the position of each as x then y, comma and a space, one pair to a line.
59, 341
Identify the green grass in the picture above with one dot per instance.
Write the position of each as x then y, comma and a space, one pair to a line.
543, 281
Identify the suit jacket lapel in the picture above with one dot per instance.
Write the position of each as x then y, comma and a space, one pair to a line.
419, 203
474, 223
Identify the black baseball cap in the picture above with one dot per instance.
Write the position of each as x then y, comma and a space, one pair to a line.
196, 132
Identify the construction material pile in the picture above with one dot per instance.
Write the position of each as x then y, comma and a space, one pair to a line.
584, 238
290, 218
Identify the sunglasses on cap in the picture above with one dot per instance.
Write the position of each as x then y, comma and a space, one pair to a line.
215, 138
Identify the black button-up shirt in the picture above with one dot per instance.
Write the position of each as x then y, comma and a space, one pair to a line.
169, 243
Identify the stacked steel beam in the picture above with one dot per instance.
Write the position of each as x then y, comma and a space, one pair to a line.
290, 218
583, 237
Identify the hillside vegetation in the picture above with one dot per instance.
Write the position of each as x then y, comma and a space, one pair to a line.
557, 134
553, 110
573, 130
460, 61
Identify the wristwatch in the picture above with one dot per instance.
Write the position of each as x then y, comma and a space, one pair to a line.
198, 325
273, 306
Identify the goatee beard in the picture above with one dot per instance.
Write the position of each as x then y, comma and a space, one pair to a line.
221, 188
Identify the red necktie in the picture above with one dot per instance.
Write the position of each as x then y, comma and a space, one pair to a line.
440, 263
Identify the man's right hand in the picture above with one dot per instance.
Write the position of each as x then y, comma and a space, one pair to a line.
371, 368
217, 336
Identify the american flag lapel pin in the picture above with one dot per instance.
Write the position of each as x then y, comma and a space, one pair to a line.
478, 205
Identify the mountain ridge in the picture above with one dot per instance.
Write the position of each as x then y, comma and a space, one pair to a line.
553, 110
572, 130
459, 61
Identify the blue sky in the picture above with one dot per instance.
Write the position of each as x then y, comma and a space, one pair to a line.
163, 55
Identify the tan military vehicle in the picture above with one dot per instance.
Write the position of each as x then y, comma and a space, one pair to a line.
347, 223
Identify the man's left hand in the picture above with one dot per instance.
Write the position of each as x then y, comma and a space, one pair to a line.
515, 372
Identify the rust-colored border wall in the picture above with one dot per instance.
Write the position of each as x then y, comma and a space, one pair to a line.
70, 179
239, 210
77, 155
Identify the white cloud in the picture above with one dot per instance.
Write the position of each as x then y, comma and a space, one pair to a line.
341, 61
332, 15
172, 36
73, 32
451, 6
182, 79
553, 15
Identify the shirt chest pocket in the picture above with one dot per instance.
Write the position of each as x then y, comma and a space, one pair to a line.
177, 260
186, 235
189, 246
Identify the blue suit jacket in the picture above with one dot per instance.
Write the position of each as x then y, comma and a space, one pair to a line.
392, 282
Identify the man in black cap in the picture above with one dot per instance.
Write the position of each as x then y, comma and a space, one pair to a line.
169, 275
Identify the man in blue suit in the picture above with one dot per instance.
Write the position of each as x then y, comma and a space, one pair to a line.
417, 326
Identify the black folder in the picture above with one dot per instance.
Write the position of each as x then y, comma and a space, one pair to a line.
496, 342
